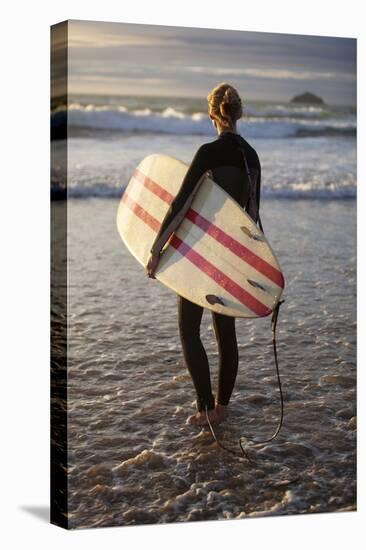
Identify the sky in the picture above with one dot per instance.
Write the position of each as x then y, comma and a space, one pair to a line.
126, 58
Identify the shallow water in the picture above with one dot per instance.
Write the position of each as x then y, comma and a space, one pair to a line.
312, 167
132, 458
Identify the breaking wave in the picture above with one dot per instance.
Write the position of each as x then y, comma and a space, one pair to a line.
275, 121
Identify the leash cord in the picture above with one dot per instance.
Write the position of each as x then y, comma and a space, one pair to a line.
245, 454
277, 431
280, 422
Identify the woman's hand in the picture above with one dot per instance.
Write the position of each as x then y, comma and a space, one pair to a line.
152, 264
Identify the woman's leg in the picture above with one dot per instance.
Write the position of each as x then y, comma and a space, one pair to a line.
189, 322
224, 327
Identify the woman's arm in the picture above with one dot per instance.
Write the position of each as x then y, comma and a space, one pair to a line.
182, 201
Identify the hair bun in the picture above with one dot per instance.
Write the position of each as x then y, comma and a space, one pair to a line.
231, 97
225, 102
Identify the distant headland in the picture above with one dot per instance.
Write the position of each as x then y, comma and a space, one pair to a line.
307, 97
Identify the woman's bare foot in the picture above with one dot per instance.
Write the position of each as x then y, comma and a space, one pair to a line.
221, 412
199, 419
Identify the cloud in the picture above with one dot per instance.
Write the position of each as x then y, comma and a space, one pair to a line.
191, 60
99, 35
270, 73
124, 69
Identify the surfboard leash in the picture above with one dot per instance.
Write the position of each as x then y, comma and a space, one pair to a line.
280, 422
244, 453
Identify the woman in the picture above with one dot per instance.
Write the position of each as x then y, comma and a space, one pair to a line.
224, 159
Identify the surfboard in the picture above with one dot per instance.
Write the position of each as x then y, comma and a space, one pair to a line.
217, 257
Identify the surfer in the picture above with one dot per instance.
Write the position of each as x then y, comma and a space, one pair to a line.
224, 109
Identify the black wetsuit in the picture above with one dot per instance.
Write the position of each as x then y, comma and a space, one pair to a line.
225, 160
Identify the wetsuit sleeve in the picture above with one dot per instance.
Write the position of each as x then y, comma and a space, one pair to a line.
198, 166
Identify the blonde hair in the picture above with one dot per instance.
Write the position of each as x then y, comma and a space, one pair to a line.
225, 104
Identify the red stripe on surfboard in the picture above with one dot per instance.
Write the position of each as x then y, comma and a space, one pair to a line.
220, 277
157, 189
215, 232
199, 261
236, 248
141, 212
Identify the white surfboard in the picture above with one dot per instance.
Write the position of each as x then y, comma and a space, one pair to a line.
217, 258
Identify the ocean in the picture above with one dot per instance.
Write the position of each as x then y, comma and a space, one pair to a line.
305, 151
132, 458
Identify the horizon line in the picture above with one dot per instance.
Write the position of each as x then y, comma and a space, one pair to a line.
199, 97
